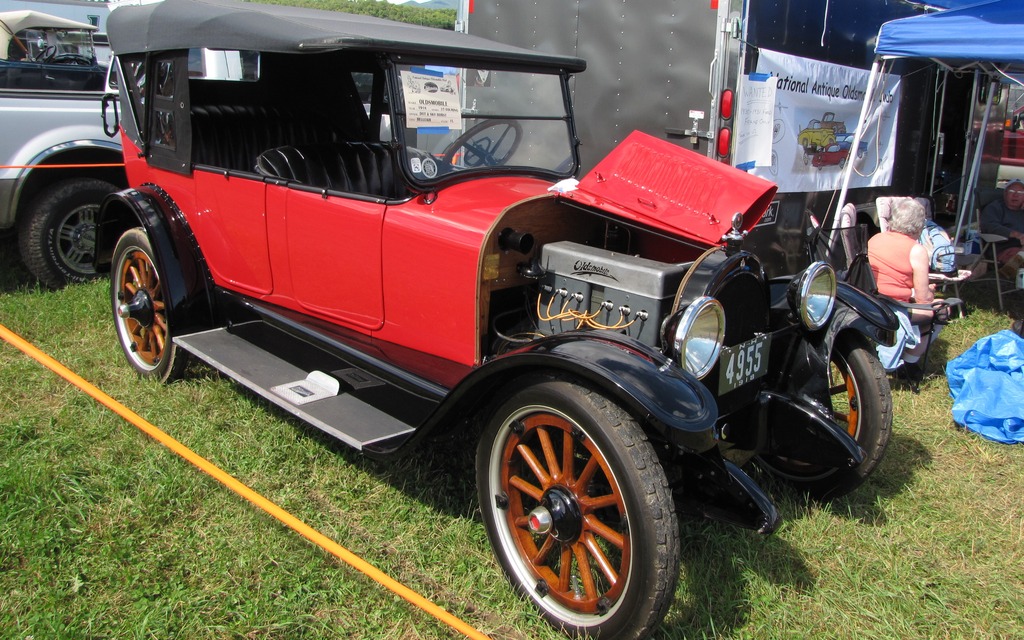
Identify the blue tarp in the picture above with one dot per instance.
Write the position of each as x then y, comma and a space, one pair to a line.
987, 385
989, 31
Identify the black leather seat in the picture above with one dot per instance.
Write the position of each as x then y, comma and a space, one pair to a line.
354, 167
232, 136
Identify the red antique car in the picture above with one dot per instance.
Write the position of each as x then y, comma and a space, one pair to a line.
833, 155
325, 208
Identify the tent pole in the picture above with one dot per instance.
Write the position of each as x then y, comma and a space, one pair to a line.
969, 139
979, 148
965, 172
940, 92
858, 133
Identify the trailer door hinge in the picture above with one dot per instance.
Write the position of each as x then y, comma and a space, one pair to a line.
732, 26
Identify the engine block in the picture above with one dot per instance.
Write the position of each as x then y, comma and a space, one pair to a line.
587, 287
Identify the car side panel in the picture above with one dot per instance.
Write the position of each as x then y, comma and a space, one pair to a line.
231, 227
430, 280
431, 257
333, 253
232, 230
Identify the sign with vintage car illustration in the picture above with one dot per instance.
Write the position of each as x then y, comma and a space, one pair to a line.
815, 102
382, 230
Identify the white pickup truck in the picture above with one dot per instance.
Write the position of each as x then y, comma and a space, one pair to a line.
56, 161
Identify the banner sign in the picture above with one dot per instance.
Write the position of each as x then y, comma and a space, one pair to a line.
816, 109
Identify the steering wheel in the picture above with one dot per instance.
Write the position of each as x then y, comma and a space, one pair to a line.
486, 150
72, 58
47, 53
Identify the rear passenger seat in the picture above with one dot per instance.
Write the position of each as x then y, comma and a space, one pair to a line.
355, 167
233, 136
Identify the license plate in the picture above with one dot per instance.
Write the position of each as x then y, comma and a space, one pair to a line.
742, 363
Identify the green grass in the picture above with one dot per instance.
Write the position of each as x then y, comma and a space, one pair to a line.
106, 534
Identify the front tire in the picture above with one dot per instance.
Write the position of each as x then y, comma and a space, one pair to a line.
141, 315
57, 233
862, 405
555, 451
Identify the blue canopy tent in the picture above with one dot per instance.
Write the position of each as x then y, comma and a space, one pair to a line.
983, 36
975, 33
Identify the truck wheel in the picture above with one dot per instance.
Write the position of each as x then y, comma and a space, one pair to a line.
862, 404
140, 310
578, 510
57, 232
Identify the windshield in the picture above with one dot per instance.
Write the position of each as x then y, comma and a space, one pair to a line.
459, 120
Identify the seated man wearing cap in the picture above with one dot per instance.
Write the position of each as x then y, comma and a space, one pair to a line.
1006, 218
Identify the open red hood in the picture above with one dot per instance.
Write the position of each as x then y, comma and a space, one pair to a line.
665, 186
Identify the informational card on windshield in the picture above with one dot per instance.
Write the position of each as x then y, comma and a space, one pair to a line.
742, 363
431, 99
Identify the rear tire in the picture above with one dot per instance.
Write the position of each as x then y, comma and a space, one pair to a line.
57, 232
141, 316
609, 565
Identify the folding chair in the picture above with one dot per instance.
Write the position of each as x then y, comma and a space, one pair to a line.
840, 243
983, 196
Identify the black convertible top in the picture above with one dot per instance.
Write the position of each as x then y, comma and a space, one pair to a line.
227, 24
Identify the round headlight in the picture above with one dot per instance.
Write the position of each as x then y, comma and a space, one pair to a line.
698, 336
813, 295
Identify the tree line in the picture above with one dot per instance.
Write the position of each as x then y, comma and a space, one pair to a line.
409, 13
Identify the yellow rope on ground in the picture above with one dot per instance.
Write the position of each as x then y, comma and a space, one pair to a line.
235, 485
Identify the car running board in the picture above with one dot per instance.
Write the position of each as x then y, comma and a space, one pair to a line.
325, 399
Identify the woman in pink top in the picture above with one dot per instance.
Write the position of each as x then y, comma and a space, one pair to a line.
899, 263
900, 266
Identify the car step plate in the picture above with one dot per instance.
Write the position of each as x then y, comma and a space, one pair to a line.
344, 416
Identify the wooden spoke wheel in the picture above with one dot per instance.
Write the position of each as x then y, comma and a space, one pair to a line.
563, 493
845, 393
140, 309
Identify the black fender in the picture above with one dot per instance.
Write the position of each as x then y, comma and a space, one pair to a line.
801, 434
187, 284
855, 312
716, 488
863, 312
854, 309
648, 385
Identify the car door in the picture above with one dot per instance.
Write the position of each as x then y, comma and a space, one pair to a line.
327, 246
